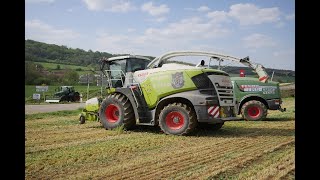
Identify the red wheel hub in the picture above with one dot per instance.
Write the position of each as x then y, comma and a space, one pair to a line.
112, 113
174, 120
254, 111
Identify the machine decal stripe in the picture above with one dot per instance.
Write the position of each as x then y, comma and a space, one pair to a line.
215, 110
262, 78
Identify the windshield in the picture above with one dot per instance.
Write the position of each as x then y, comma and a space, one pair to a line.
116, 67
137, 64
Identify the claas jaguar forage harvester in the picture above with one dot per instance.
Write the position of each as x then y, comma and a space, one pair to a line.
174, 96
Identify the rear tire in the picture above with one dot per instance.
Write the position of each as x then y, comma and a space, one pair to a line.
254, 111
116, 110
177, 119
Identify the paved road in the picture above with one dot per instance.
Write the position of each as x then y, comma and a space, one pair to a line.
32, 109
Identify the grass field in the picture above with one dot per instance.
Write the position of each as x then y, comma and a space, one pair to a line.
62, 66
58, 147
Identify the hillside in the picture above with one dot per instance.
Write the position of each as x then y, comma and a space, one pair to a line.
42, 52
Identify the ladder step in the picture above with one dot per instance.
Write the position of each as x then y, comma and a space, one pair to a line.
146, 124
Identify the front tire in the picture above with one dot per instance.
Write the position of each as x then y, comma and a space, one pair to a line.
116, 110
254, 111
177, 119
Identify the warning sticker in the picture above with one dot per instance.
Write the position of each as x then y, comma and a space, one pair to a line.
257, 88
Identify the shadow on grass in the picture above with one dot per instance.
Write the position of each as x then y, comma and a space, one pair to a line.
148, 129
225, 131
271, 119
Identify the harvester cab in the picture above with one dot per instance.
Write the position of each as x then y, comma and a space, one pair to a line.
176, 97
119, 70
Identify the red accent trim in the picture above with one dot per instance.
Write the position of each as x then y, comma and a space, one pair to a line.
133, 87
174, 120
112, 113
254, 111
263, 78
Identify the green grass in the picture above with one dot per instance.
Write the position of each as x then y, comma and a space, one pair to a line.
57, 146
52, 114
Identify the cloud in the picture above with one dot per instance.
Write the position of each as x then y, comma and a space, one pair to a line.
160, 19
256, 41
290, 17
203, 8
40, 1
155, 10
248, 14
43, 32
282, 53
109, 5
284, 59
189, 28
218, 16
175, 36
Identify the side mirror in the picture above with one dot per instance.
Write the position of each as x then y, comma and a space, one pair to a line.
201, 63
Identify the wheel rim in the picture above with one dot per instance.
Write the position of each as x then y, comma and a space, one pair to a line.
174, 120
112, 113
253, 111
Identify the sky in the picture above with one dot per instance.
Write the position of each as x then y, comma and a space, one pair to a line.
264, 30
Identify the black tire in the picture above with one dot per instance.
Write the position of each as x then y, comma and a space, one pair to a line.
183, 114
213, 127
82, 119
116, 110
254, 111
